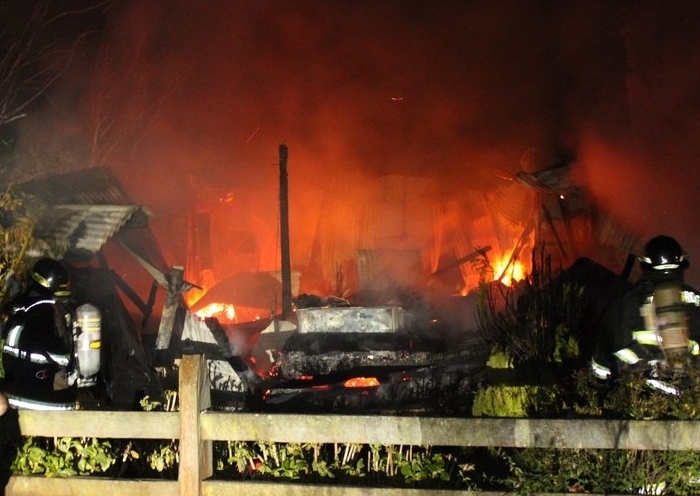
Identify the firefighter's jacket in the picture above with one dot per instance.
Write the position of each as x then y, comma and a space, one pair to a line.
633, 342
37, 353
10, 441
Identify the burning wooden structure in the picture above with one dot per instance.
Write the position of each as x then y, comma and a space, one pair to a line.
394, 319
395, 334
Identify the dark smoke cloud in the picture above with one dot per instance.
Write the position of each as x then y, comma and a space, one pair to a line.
648, 177
452, 89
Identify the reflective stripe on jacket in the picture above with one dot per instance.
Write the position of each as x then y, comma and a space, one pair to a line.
627, 356
600, 371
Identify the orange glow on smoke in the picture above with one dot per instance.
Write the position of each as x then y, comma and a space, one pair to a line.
360, 382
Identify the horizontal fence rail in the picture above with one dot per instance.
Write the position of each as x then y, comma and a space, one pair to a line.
417, 431
197, 428
424, 431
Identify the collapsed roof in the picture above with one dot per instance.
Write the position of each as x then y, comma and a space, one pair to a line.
80, 211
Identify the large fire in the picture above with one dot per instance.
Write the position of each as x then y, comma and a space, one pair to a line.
507, 269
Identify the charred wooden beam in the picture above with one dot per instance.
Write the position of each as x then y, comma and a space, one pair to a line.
167, 320
284, 236
480, 251
629, 265
295, 364
150, 304
129, 292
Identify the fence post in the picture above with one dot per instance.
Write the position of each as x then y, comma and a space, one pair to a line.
196, 456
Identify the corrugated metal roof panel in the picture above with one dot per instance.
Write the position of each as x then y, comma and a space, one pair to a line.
84, 229
95, 185
82, 209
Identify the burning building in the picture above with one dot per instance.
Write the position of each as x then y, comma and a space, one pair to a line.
400, 273
406, 232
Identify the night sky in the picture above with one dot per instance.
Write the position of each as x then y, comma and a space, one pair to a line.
454, 90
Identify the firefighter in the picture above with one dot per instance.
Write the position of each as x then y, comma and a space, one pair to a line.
38, 352
659, 325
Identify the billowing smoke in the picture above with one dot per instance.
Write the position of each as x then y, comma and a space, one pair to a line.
453, 90
646, 177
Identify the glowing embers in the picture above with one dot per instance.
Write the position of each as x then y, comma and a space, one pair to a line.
361, 382
224, 312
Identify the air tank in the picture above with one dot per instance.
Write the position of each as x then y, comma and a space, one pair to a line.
88, 342
672, 322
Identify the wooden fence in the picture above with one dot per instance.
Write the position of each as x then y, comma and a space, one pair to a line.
197, 428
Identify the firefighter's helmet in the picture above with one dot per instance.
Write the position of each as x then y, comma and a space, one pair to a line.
51, 276
663, 254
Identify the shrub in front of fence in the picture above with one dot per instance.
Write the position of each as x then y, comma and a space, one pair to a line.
353, 464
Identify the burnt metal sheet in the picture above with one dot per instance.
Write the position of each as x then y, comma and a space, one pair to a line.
295, 364
94, 185
84, 229
82, 209
351, 319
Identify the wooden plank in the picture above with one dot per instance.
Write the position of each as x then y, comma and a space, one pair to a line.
358, 429
88, 486
607, 434
421, 431
196, 455
217, 488
85, 423
167, 319
555, 433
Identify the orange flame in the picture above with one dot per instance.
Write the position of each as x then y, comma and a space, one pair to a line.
509, 274
223, 311
360, 382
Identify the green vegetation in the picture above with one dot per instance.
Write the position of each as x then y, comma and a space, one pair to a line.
364, 464
16, 231
64, 457
16, 226
602, 471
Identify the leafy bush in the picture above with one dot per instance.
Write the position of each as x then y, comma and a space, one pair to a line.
602, 471
64, 457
